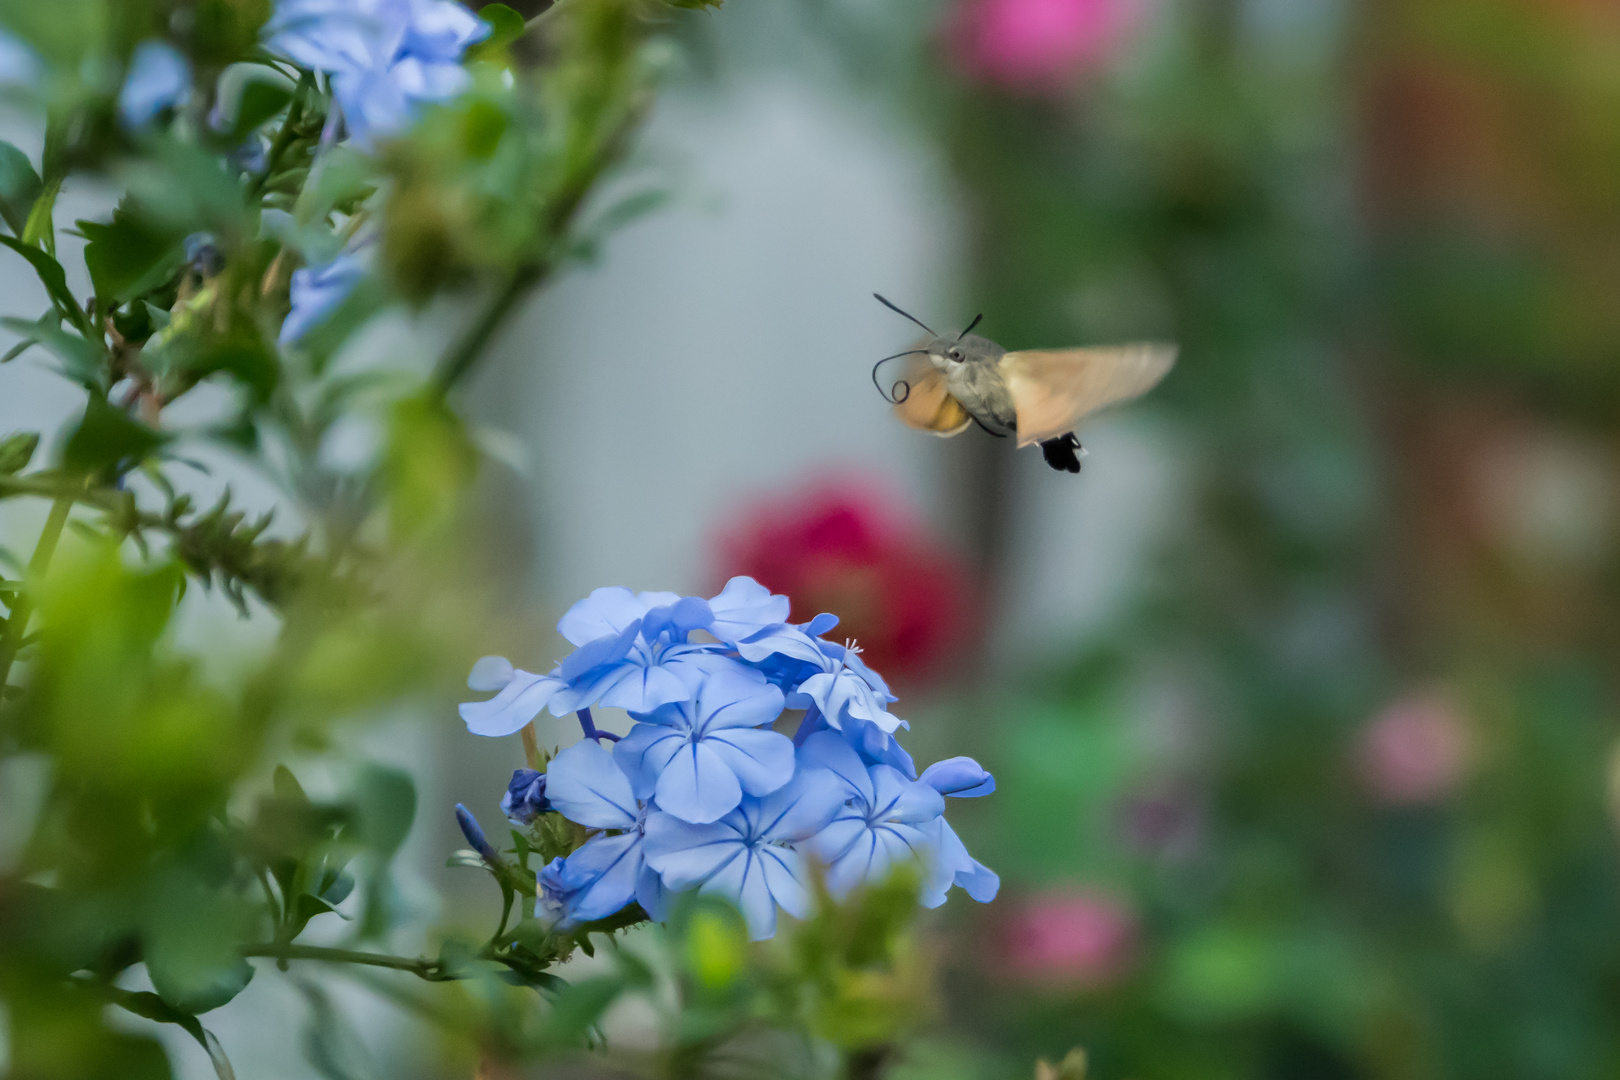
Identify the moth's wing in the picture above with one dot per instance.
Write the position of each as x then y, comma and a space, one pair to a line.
924, 402
1053, 389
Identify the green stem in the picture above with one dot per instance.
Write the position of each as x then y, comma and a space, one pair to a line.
466, 352
565, 205
22, 606
285, 136
420, 966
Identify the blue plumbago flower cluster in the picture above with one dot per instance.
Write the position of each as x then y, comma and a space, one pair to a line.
384, 60
703, 793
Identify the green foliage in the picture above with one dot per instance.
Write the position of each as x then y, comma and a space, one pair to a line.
172, 842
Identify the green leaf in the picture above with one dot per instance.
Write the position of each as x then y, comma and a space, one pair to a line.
40, 229
506, 26
190, 937
80, 360
386, 803
20, 186
152, 1007
286, 785
107, 436
261, 99
130, 255
305, 908
16, 451
577, 1009
51, 275
335, 887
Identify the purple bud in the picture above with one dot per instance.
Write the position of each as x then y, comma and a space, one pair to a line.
525, 797
961, 777
475, 835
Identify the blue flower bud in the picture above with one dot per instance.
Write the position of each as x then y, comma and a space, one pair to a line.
959, 776
475, 835
525, 797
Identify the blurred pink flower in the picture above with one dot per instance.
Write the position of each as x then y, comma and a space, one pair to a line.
1037, 45
1415, 751
852, 548
1069, 937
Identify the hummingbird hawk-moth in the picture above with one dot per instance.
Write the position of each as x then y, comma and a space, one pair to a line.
1038, 395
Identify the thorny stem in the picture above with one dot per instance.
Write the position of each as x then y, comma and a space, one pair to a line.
21, 605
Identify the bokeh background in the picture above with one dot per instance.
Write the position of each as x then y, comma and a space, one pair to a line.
1302, 696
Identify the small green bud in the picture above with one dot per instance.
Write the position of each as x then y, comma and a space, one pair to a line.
16, 451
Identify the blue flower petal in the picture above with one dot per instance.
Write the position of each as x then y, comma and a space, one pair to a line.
317, 292
678, 619
743, 882
745, 607
159, 78
651, 894
900, 799
762, 761
606, 612
800, 808
735, 696
586, 785
490, 674
644, 753
607, 868
828, 750
960, 777
697, 785
522, 699
599, 653
686, 854
980, 882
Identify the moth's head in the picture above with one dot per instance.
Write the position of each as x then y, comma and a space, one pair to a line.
947, 352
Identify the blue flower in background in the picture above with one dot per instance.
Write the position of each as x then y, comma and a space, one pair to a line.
888, 820
317, 292
159, 78
525, 797
698, 758
20, 65
586, 785
386, 58
743, 857
522, 696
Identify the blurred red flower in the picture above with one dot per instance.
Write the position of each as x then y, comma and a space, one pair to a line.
1069, 937
1415, 751
1037, 46
848, 549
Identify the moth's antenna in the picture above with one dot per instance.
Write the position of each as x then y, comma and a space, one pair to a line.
901, 390
897, 311
971, 325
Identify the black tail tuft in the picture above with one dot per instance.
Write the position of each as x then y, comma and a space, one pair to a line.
1062, 453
